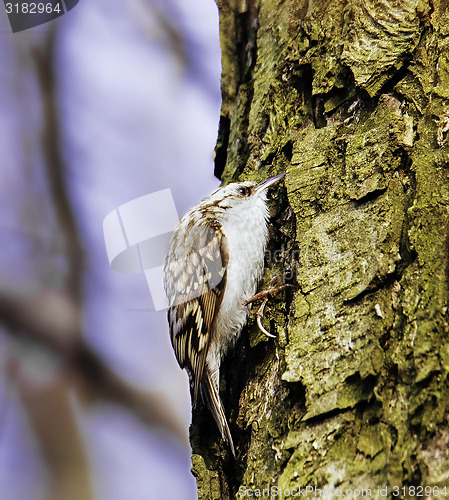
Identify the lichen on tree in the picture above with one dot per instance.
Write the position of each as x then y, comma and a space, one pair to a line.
350, 99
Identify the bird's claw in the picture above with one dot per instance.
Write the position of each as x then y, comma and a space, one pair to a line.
259, 320
276, 285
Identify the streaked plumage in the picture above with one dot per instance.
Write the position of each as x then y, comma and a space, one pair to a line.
214, 263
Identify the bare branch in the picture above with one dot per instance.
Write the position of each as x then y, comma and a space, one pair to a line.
52, 319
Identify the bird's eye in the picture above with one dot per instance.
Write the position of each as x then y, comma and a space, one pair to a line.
244, 191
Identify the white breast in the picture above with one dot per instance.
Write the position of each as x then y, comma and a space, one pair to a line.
247, 233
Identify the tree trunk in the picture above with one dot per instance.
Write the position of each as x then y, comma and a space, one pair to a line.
351, 99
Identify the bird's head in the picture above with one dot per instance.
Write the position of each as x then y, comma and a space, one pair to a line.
240, 197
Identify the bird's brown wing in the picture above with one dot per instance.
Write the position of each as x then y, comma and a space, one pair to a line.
198, 280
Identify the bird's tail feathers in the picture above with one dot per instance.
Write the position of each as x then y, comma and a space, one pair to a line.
213, 401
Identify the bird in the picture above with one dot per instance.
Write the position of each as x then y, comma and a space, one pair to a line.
215, 260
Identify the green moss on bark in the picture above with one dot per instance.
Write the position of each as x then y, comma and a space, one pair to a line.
350, 99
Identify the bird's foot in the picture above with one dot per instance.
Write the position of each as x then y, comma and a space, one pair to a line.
276, 285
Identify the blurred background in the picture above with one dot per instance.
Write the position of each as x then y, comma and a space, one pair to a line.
110, 102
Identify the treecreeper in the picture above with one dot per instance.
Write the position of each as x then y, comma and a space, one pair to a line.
214, 263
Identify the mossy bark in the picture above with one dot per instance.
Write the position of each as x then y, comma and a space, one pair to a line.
351, 99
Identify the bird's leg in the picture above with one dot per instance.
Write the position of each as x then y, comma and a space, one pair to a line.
276, 285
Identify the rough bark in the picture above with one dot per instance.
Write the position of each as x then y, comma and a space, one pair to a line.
351, 99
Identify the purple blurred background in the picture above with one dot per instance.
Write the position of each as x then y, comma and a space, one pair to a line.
136, 86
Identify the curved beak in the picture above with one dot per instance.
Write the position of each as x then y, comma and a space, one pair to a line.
263, 186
